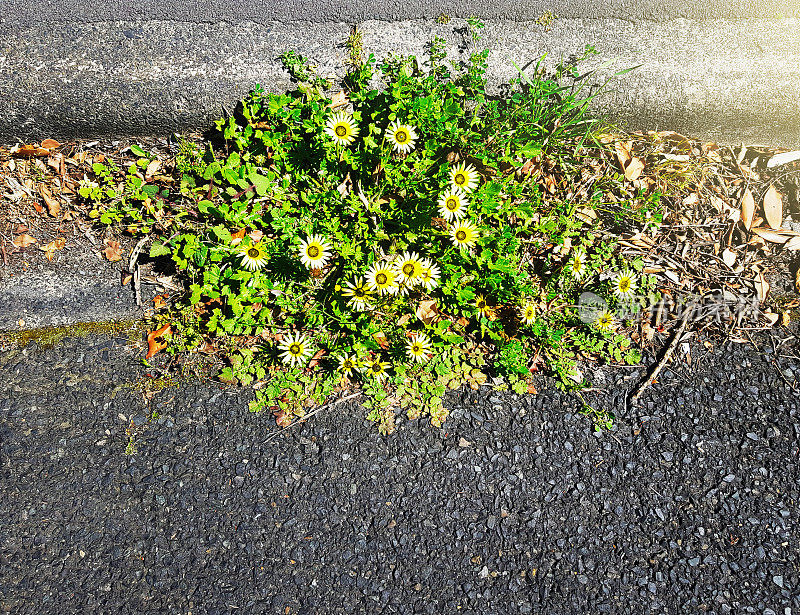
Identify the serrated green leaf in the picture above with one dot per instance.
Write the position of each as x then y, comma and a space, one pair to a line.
159, 249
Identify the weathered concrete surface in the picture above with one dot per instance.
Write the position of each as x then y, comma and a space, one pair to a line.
63, 74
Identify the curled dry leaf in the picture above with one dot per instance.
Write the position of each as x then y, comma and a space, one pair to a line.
155, 341
634, 169
236, 238
748, 208
50, 249
114, 251
23, 241
784, 158
792, 244
53, 206
50, 144
339, 100
773, 236
773, 207
427, 311
381, 338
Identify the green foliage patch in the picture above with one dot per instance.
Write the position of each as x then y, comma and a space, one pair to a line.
385, 238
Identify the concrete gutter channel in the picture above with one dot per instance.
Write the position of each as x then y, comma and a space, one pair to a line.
728, 72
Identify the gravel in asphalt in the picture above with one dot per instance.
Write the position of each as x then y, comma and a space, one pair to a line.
517, 506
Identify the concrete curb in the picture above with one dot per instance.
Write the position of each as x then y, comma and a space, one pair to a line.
154, 77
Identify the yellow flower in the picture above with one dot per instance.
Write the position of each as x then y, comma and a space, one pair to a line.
296, 350
253, 256
418, 347
482, 306
605, 321
348, 364
401, 136
528, 313
430, 275
314, 252
376, 369
383, 279
342, 128
359, 294
464, 234
409, 268
453, 204
464, 176
624, 284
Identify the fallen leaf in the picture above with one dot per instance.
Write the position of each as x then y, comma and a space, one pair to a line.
772, 318
772, 236
339, 100
381, 338
23, 241
762, 286
532, 389
748, 208
152, 168
255, 235
797, 281
427, 311
114, 251
50, 249
403, 320
50, 144
316, 358
155, 343
236, 238
623, 150
53, 206
784, 158
634, 169
773, 207
28, 151
160, 301
792, 244
728, 257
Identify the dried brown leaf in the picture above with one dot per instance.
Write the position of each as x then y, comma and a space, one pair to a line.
23, 241
748, 208
427, 311
53, 206
50, 144
773, 207
634, 169
155, 342
113, 251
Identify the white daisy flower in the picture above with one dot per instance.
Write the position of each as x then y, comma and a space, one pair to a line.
314, 252
577, 265
401, 136
409, 268
359, 294
624, 284
430, 275
418, 348
253, 256
453, 204
383, 278
463, 234
349, 364
605, 321
341, 127
296, 349
464, 176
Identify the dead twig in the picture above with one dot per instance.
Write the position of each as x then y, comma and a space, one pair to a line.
664, 360
310, 414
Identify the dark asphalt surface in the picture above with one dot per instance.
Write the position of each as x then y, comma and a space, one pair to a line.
689, 506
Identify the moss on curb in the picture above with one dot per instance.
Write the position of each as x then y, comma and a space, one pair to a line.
48, 337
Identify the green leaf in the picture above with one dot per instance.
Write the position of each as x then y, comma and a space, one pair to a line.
138, 151
222, 233
159, 249
261, 183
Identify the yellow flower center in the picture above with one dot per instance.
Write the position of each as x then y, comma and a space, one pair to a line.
416, 348
253, 252
312, 251
460, 179
347, 364
401, 136
359, 292
295, 349
451, 204
376, 368
461, 235
481, 304
408, 269
381, 279
341, 130
624, 285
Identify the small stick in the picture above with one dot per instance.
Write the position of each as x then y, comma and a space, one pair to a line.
664, 360
310, 414
133, 268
